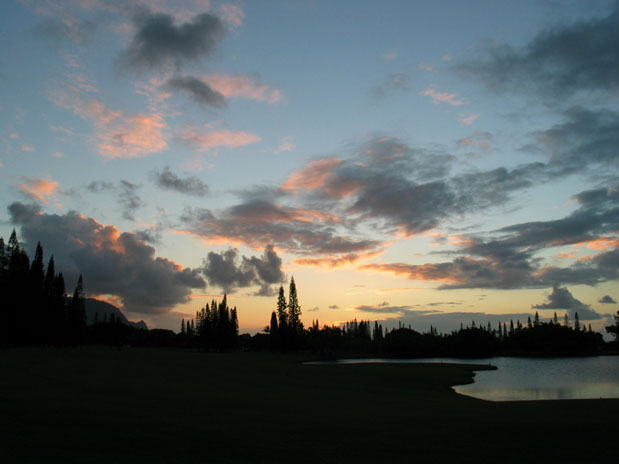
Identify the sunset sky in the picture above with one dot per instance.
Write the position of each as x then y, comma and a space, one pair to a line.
425, 161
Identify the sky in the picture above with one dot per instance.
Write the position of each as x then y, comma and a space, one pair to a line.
430, 162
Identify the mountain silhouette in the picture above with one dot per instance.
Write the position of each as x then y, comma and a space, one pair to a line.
104, 312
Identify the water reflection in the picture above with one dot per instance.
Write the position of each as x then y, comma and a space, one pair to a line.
535, 379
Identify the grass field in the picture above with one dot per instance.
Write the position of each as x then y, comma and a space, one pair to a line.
100, 405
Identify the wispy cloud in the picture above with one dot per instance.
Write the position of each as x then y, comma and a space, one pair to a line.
205, 141
441, 97
395, 83
38, 189
238, 86
232, 14
117, 135
468, 120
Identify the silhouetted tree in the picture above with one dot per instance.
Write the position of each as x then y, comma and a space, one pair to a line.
273, 331
576, 322
614, 329
76, 316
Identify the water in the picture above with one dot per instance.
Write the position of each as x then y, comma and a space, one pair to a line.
536, 379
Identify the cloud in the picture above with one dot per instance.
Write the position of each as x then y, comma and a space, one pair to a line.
401, 189
97, 186
159, 43
399, 311
558, 62
607, 299
334, 306
232, 14
395, 83
112, 262
66, 28
468, 120
117, 135
189, 185
242, 87
585, 137
561, 298
332, 261
257, 221
285, 145
200, 92
128, 199
38, 189
510, 260
313, 176
449, 98
226, 271
480, 141
205, 141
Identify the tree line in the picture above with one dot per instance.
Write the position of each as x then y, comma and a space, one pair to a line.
36, 309
534, 338
216, 327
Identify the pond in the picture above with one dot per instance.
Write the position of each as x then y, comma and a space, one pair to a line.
534, 378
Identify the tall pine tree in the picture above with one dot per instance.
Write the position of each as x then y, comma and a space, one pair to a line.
294, 309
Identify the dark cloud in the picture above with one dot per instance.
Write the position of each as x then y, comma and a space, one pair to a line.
258, 221
607, 299
151, 235
112, 262
561, 298
196, 215
159, 42
585, 137
314, 309
97, 186
334, 306
126, 195
394, 84
189, 185
128, 199
198, 90
559, 62
395, 186
68, 28
225, 270
510, 260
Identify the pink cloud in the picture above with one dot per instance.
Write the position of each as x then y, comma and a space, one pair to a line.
204, 141
243, 87
449, 98
285, 145
468, 120
117, 135
312, 176
336, 261
232, 13
39, 189
133, 136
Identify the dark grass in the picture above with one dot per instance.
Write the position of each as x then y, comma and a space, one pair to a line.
100, 405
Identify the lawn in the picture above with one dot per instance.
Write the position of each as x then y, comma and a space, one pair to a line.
102, 405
